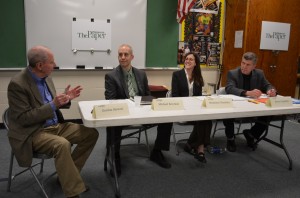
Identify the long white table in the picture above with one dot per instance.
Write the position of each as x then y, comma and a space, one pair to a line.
193, 110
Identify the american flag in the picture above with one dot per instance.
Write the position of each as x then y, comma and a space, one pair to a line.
183, 8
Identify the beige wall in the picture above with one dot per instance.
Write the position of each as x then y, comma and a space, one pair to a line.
93, 84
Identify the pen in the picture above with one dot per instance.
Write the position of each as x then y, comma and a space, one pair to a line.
253, 101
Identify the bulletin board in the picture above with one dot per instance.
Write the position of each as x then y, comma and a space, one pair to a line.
202, 32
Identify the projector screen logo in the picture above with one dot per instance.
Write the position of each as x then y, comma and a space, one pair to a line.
91, 35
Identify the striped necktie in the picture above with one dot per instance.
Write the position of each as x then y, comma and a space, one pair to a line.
131, 91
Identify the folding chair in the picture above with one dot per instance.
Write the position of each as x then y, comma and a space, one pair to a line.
238, 121
36, 155
174, 133
137, 130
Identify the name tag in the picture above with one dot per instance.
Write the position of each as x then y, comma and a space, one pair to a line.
279, 101
110, 110
210, 102
166, 104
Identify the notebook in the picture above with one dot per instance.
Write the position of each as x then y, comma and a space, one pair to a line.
147, 100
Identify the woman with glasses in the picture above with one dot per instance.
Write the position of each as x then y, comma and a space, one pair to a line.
188, 82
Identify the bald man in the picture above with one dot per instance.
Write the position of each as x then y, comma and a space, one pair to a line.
37, 124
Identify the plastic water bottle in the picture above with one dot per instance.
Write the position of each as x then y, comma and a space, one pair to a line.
216, 150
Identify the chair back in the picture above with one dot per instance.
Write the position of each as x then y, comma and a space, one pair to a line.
169, 94
221, 91
5, 118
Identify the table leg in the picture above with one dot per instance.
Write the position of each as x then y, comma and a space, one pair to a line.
110, 158
281, 144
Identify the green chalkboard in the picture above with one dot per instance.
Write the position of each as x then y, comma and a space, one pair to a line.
162, 33
12, 34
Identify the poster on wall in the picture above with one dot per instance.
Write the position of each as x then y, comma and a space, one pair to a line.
200, 47
213, 54
206, 6
203, 32
203, 24
275, 36
183, 49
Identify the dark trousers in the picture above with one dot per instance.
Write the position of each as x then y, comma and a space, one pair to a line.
162, 141
200, 134
256, 130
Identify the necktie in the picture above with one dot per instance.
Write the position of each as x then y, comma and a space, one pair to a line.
131, 91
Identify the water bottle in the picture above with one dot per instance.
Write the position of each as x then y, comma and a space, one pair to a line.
216, 150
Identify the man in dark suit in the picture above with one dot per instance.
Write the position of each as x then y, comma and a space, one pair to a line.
247, 81
124, 82
37, 124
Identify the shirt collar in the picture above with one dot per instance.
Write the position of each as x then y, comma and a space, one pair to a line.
35, 77
128, 73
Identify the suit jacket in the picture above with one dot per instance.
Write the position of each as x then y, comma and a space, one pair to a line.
116, 85
235, 82
180, 85
27, 114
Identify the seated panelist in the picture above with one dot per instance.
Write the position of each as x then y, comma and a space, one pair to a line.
247, 81
188, 82
125, 82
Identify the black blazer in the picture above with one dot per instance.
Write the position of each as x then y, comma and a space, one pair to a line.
180, 85
116, 86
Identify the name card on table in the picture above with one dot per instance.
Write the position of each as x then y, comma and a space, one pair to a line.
218, 102
279, 101
166, 104
110, 110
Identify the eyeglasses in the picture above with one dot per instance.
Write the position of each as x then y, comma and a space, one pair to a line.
190, 59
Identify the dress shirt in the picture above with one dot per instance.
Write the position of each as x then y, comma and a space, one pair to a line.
46, 96
190, 84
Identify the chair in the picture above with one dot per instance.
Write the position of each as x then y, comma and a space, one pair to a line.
174, 133
238, 121
158, 91
36, 155
138, 129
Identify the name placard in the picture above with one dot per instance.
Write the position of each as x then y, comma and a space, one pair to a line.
166, 104
279, 101
210, 102
110, 110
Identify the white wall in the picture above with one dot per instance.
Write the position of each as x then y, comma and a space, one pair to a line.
93, 84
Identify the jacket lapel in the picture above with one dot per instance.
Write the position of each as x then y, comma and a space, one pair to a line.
33, 87
50, 87
138, 81
240, 79
122, 80
184, 82
253, 82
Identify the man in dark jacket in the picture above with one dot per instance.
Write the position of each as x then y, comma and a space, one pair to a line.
246, 81
125, 82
